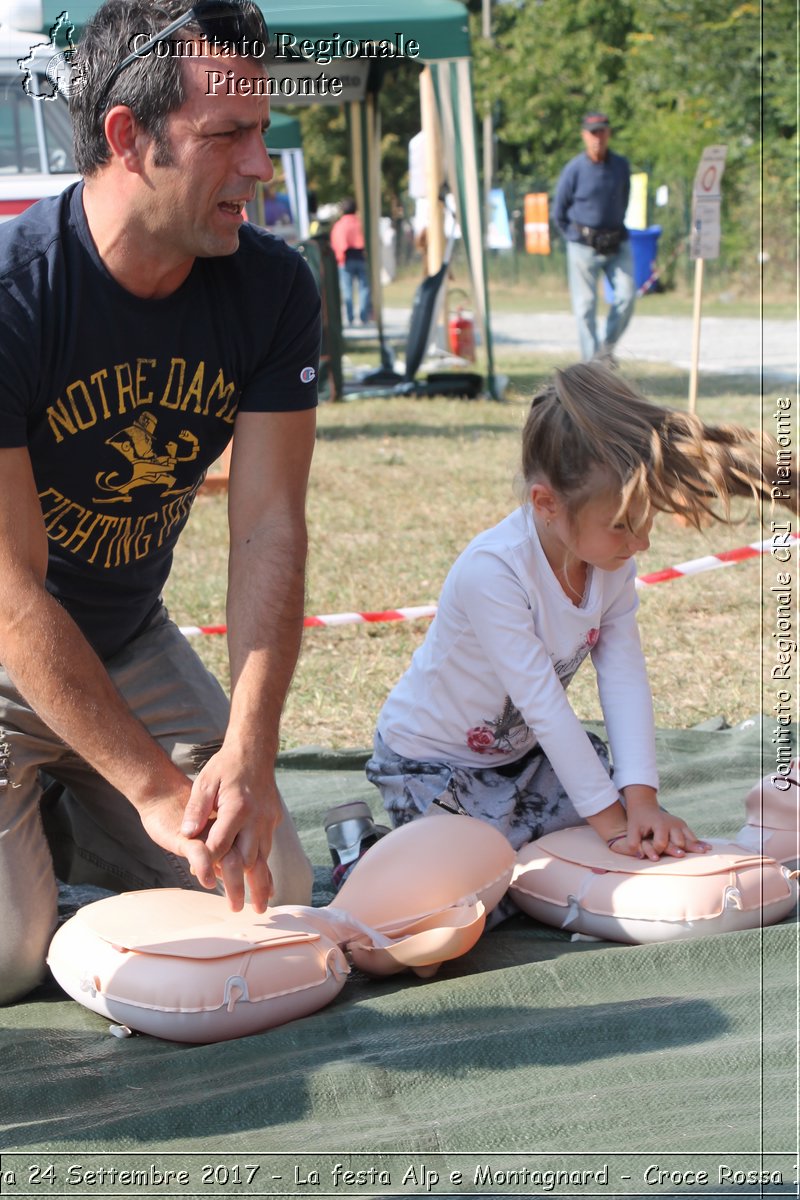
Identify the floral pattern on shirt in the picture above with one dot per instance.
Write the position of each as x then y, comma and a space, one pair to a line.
566, 668
500, 735
506, 731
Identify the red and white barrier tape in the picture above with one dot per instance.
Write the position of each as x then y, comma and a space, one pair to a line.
344, 618
709, 562
712, 562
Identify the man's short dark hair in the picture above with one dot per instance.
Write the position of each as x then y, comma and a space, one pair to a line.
152, 87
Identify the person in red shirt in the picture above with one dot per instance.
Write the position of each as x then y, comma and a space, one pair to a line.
347, 243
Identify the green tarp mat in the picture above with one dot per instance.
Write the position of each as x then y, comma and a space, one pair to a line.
533, 1053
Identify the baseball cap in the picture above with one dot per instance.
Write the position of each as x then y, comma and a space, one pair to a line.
595, 120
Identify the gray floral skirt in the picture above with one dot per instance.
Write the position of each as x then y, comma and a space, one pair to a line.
523, 799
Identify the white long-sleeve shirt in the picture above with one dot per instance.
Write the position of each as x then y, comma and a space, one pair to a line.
489, 681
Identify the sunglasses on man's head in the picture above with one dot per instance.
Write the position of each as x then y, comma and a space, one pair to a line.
237, 24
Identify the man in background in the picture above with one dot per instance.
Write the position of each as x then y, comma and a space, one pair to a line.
347, 243
589, 209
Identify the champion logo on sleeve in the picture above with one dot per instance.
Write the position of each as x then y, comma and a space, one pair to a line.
308, 375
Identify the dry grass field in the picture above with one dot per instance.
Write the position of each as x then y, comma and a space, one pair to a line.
399, 486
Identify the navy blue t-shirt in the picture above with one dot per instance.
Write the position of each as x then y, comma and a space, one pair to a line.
124, 403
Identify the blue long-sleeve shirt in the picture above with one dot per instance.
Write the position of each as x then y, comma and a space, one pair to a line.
593, 194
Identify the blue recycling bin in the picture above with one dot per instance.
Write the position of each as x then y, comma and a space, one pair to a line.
644, 244
644, 247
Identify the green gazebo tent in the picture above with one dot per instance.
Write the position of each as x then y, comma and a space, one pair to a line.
440, 27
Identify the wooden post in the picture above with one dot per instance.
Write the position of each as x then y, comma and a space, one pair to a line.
698, 300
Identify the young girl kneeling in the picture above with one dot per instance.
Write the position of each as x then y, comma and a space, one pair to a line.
480, 722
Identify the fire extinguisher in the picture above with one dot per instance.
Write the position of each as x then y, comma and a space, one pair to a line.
461, 329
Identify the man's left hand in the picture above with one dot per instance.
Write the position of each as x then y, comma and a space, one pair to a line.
236, 815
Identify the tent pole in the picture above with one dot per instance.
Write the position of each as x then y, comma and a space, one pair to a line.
488, 127
433, 171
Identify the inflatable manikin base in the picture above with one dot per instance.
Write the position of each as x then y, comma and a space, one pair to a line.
571, 879
181, 965
772, 818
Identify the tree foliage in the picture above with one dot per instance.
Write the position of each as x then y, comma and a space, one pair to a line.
547, 62
675, 76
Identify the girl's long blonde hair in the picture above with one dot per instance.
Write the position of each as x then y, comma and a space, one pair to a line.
590, 430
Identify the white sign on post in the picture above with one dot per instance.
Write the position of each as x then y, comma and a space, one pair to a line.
704, 243
706, 201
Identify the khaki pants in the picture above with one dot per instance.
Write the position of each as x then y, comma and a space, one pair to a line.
95, 833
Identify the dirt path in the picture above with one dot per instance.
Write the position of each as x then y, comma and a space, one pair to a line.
728, 345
